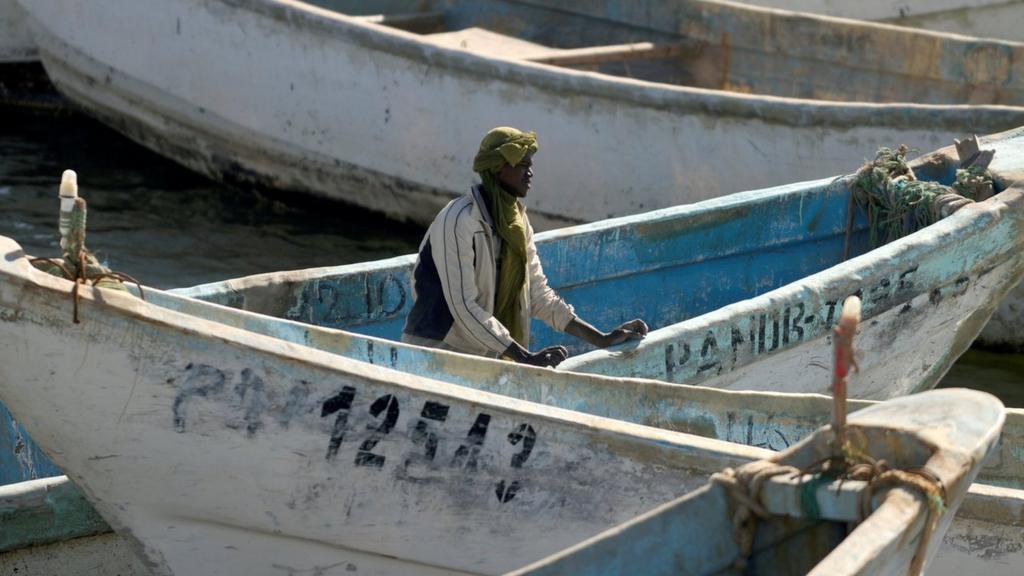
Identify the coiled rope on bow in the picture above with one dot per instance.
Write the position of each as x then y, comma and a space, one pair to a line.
897, 203
744, 485
79, 265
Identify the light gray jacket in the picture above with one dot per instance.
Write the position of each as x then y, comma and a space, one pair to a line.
463, 248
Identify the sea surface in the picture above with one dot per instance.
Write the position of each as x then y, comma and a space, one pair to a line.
169, 227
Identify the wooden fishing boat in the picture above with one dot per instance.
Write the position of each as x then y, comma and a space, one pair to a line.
982, 18
383, 104
349, 464
741, 291
761, 419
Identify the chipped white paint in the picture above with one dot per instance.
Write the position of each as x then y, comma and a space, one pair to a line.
291, 96
15, 41
763, 419
343, 463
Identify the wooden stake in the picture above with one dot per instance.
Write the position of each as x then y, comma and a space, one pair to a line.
842, 340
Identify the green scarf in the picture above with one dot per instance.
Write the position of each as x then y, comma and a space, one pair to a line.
500, 146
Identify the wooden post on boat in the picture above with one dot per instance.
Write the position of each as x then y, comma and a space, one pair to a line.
842, 341
68, 194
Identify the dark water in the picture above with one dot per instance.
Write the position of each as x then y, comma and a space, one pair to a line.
162, 224
168, 228
999, 374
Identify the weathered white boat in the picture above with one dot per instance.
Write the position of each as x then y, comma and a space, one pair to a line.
982, 18
760, 419
385, 110
742, 290
160, 415
344, 461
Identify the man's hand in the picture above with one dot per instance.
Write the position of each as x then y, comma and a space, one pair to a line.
551, 356
632, 330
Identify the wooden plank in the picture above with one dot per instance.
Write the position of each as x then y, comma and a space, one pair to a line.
837, 501
618, 53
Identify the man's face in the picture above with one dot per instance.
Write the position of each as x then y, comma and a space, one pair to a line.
516, 179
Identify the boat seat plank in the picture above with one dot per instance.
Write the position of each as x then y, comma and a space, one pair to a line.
838, 500
617, 53
488, 43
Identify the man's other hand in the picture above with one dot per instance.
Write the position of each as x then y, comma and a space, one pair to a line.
632, 330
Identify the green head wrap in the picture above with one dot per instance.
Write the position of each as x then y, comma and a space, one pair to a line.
502, 146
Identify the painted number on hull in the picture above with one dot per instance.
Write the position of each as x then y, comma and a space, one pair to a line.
465, 456
387, 404
340, 403
249, 398
525, 434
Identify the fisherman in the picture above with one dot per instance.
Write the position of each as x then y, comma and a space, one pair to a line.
478, 279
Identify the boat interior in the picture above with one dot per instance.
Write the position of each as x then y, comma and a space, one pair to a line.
666, 266
802, 539
718, 46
